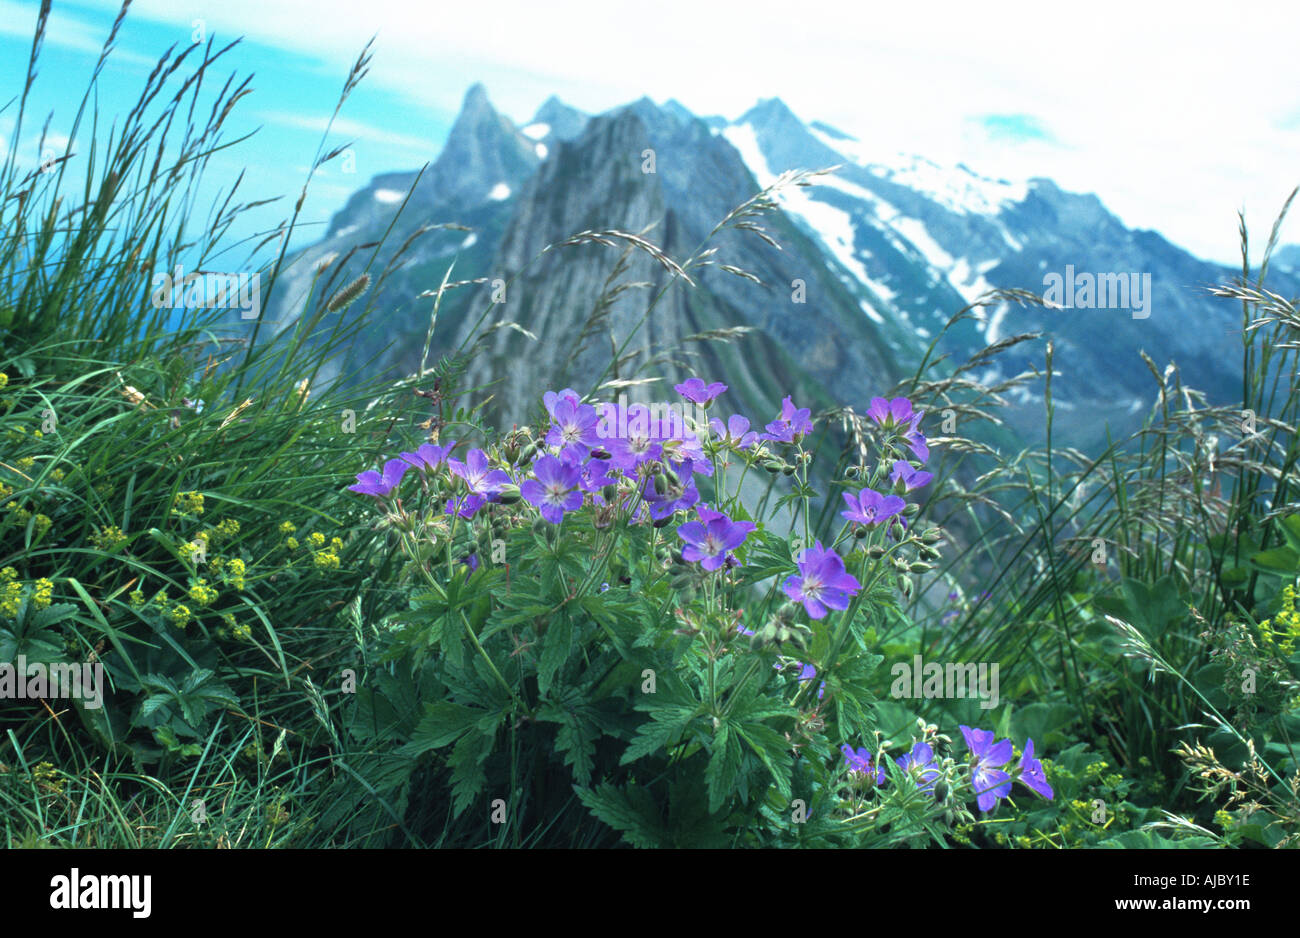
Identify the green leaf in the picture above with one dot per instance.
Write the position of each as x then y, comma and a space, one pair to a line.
1277, 560
635, 820
442, 723
724, 766
556, 645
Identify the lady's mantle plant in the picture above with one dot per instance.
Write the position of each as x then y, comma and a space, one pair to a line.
601, 612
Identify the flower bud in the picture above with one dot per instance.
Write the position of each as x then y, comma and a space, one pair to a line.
912, 510
875, 552
600, 453
773, 465
661, 484
528, 453
897, 531
932, 536
509, 494
919, 567
610, 492
860, 532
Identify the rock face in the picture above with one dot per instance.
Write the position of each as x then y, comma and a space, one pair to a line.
874, 261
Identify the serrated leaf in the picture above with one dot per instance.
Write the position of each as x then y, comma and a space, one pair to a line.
615, 808
442, 724
556, 645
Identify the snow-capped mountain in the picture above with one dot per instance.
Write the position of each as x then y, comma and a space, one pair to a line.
876, 259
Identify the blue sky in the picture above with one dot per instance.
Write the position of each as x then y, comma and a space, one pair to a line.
1175, 120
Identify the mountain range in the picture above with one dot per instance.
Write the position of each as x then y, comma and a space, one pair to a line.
873, 260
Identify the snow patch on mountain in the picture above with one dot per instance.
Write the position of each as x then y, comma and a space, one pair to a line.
536, 131
389, 196
499, 192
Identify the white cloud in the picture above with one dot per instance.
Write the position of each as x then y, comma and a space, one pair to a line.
1175, 118
345, 128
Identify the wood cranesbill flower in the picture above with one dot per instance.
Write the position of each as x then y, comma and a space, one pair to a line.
891, 413
575, 427
870, 507
735, 432
479, 477
822, 583
427, 456
711, 539
793, 423
987, 779
697, 392
551, 398
1032, 775
380, 484
911, 478
862, 765
555, 490
921, 761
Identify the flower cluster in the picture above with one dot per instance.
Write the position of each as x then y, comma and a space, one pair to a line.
989, 781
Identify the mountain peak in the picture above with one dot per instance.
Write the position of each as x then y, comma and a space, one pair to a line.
484, 151
770, 112
563, 121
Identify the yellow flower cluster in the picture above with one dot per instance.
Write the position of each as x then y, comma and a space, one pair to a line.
4, 380
11, 592
179, 615
227, 528
328, 557
203, 595
188, 503
109, 537
232, 629
1283, 630
135, 598
44, 593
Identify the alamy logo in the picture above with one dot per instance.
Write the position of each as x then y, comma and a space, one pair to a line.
210, 290
76, 891
24, 680
929, 680
1099, 291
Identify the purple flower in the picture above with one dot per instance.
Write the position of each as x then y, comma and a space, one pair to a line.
821, 584
595, 475
987, 779
478, 477
916, 439
736, 431
860, 763
870, 507
662, 506
427, 456
890, 413
1032, 774
697, 392
575, 427
911, 478
554, 491
709, 541
921, 758
551, 398
470, 561
807, 673
793, 423
465, 505
373, 483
